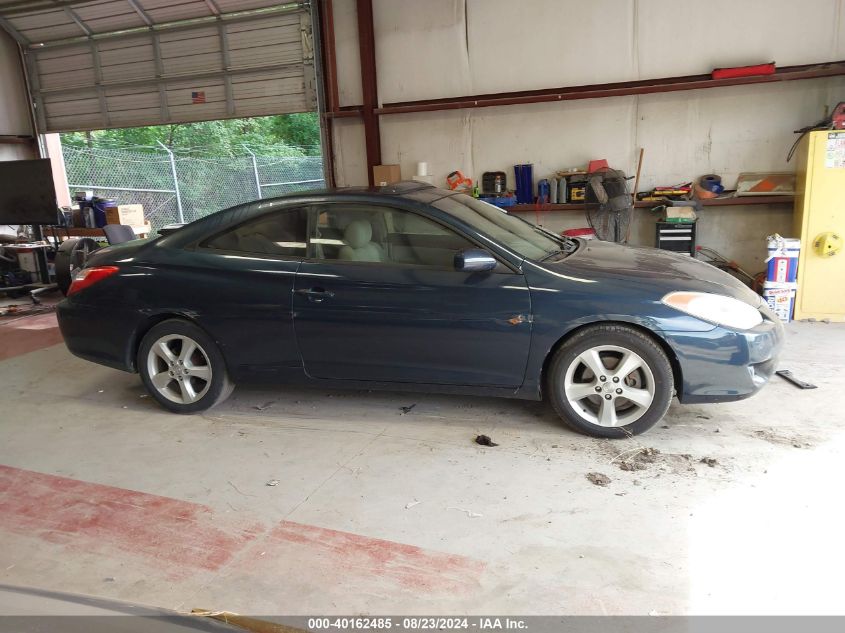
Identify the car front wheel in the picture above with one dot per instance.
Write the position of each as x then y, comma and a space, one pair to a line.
610, 381
182, 367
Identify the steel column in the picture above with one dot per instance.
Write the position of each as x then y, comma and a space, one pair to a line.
325, 68
255, 172
369, 85
175, 181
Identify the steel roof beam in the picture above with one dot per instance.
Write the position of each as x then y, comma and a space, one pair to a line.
212, 6
73, 15
140, 11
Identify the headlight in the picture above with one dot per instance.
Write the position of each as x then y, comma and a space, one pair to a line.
717, 309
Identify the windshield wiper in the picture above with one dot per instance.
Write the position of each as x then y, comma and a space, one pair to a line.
550, 254
569, 246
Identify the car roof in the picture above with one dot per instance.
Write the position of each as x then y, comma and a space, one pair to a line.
419, 192
409, 189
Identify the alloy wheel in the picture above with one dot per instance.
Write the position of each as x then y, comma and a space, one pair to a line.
609, 385
179, 368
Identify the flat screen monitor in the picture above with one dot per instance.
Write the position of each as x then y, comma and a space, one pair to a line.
27, 192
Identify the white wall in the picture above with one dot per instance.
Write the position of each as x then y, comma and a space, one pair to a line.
14, 117
446, 48
443, 48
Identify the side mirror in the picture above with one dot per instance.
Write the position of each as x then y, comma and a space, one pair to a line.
474, 260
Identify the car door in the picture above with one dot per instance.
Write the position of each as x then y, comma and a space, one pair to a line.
246, 272
379, 299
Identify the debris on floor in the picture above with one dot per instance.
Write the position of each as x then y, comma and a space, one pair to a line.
599, 479
773, 437
787, 375
411, 504
405, 410
266, 405
469, 513
272, 482
238, 490
644, 458
639, 460
484, 440
710, 461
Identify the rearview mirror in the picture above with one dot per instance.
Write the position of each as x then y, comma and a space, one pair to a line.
474, 260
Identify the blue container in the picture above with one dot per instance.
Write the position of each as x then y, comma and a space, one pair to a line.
99, 207
500, 201
524, 183
544, 191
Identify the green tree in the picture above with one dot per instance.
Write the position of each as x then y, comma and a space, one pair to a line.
301, 129
281, 135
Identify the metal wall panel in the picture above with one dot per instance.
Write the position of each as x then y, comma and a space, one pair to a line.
87, 73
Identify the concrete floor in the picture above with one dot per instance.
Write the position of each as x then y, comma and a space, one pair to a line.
379, 511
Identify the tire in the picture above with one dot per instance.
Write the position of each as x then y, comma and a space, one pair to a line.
72, 257
182, 367
597, 404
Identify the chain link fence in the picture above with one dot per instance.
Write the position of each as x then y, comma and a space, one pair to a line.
180, 187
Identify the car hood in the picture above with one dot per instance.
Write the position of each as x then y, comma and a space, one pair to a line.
661, 270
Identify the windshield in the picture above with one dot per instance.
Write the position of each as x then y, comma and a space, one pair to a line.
521, 237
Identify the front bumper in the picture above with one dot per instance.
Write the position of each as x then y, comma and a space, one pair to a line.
724, 365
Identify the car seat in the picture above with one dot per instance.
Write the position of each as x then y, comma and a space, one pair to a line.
359, 245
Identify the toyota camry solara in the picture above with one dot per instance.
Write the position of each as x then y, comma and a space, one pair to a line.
414, 287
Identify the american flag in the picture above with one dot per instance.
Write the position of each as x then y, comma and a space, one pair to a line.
198, 97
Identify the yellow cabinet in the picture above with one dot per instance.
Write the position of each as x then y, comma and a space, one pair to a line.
820, 217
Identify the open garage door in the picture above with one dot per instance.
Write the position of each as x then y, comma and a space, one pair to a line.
125, 63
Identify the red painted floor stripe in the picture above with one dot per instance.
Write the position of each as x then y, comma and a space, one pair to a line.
177, 535
28, 334
360, 560
180, 538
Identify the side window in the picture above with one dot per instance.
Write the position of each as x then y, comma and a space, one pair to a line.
280, 233
383, 234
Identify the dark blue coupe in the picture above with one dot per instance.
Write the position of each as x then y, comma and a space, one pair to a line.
413, 287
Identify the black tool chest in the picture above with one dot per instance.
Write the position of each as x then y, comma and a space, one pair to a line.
678, 237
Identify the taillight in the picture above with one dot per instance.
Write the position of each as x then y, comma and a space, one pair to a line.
89, 276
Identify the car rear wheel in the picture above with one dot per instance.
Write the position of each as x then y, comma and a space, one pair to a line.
610, 381
182, 368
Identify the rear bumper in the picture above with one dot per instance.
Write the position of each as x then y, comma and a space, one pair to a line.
107, 339
723, 365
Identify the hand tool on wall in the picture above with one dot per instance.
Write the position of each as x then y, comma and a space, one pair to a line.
457, 180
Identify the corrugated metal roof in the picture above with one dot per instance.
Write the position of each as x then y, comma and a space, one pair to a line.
49, 21
118, 63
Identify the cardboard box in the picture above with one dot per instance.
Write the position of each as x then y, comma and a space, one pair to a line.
130, 214
781, 298
386, 174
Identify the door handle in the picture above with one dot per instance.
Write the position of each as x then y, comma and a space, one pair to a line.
315, 294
